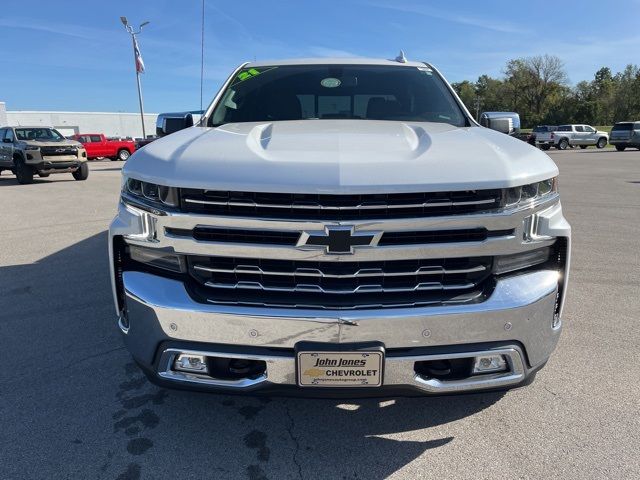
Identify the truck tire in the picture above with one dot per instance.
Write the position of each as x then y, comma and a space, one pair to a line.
81, 173
563, 144
24, 173
620, 148
602, 142
123, 154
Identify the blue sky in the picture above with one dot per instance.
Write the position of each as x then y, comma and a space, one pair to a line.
75, 55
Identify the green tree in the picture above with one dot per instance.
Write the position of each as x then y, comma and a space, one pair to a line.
466, 90
534, 84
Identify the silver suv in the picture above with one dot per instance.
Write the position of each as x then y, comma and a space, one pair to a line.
29, 151
625, 135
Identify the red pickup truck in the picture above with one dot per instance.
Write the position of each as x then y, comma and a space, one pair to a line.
97, 145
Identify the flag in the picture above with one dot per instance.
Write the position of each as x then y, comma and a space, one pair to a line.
139, 62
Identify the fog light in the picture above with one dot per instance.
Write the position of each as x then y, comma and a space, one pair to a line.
191, 363
489, 364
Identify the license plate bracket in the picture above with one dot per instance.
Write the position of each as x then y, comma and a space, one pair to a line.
339, 366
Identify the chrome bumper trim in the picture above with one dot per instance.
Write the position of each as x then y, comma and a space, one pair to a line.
520, 309
398, 372
168, 356
514, 375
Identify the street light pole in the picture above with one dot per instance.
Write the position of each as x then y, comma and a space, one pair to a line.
136, 59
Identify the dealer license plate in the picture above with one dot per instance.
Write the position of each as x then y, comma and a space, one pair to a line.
340, 369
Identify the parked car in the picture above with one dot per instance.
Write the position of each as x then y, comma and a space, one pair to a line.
625, 134
29, 151
572, 136
97, 145
541, 129
342, 227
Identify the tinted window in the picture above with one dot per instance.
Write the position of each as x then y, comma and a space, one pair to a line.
579, 128
371, 92
564, 128
589, 129
95, 138
622, 127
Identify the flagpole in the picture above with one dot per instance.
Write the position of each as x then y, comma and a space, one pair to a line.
139, 66
135, 60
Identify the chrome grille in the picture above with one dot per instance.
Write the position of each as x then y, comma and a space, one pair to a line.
339, 285
275, 237
338, 207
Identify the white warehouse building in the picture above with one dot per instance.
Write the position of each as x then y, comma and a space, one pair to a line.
111, 124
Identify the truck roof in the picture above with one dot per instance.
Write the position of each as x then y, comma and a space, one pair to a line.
28, 126
333, 61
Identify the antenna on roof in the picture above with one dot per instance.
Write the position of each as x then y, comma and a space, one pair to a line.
401, 58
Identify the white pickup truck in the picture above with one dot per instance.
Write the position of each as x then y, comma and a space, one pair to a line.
566, 136
339, 226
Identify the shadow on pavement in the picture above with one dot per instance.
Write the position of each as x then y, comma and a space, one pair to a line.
118, 425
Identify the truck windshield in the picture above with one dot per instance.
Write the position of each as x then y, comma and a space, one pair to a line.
44, 134
363, 92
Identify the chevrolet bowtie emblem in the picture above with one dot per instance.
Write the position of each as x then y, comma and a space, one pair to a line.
339, 239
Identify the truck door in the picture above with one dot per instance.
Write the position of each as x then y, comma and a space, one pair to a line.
98, 145
578, 135
6, 156
2, 132
590, 135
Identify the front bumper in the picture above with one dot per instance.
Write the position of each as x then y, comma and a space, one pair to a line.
521, 317
624, 141
516, 321
54, 164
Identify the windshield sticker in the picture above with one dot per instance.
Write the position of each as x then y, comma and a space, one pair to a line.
330, 82
250, 73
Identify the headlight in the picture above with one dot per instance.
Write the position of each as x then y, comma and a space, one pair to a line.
151, 192
31, 148
525, 194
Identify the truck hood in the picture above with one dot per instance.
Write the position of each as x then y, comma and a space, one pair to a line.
339, 156
52, 143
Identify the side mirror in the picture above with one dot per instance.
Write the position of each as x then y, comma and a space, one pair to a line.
168, 123
505, 122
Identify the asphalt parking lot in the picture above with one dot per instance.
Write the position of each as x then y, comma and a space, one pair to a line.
73, 405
